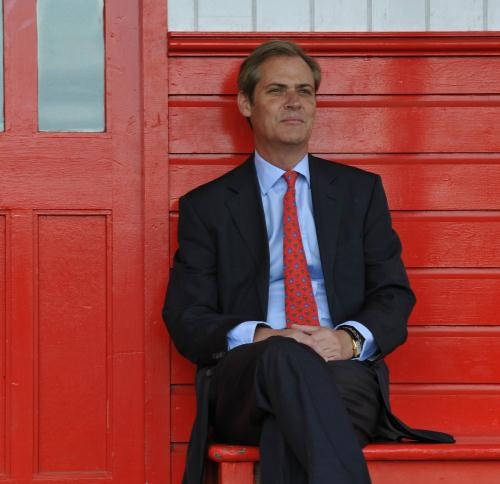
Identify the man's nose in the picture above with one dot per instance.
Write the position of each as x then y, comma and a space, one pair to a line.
292, 99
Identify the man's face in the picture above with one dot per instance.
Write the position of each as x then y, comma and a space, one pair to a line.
284, 105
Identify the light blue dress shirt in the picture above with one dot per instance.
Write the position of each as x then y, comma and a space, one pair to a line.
272, 189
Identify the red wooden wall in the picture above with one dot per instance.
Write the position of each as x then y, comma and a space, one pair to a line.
422, 110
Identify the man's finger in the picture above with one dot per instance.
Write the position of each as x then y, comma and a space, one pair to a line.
306, 328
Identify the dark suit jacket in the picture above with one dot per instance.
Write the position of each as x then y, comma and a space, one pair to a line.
221, 275
221, 270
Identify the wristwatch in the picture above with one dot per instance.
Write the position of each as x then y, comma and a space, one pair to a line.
357, 339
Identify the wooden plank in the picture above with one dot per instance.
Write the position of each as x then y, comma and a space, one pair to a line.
460, 409
431, 355
49, 176
435, 239
383, 469
447, 355
383, 124
443, 239
354, 75
20, 409
340, 44
471, 410
178, 454
455, 297
3, 338
465, 448
236, 473
436, 472
444, 296
412, 182
154, 125
182, 371
72, 331
182, 412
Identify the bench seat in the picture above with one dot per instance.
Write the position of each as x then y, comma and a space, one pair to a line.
465, 448
471, 459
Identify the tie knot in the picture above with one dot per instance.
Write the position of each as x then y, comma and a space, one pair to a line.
290, 177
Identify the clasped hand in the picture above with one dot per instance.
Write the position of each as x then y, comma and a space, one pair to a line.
329, 343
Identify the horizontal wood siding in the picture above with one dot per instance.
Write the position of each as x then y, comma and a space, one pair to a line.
422, 111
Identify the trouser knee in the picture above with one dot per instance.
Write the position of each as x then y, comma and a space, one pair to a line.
283, 355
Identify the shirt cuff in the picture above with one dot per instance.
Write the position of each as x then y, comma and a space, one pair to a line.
242, 334
370, 348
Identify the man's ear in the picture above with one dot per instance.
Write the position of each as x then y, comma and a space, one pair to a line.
244, 105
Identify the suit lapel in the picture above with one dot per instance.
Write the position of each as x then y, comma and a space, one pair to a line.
327, 193
245, 206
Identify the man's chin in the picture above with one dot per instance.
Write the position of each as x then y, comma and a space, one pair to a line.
295, 134
294, 140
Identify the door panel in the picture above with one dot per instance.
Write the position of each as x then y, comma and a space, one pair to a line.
72, 347
73, 371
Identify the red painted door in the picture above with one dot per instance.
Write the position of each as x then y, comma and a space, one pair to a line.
74, 362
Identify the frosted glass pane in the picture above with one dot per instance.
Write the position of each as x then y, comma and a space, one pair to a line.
70, 65
1, 69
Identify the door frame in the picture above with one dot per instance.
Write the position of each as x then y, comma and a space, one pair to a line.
156, 240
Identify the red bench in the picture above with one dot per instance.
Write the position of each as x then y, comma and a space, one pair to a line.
422, 110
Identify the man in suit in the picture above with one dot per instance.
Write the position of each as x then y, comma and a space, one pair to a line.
296, 358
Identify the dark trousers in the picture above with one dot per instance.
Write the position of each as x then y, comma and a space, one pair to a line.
310, 418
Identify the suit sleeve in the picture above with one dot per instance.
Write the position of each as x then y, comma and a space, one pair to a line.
191, 310
388, 297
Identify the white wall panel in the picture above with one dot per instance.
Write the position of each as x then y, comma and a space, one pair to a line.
456, 15
283, 15
225, 15
181, 15
397, 15
333, 15
493, 15
341, 15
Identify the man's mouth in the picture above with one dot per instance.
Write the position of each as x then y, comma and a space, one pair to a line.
292, 120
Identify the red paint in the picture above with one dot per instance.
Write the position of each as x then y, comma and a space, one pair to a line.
156, 239
423, 405
389, 125
362, 75
456, 296
427, 238
421, 110
84, 380
420, 360
470, 460
340, 44
84, 238
3, 299
236, 472
412, 181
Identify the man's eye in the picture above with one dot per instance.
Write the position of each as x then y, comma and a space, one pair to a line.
307, 92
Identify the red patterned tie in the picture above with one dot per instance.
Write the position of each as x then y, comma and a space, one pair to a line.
300, 305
